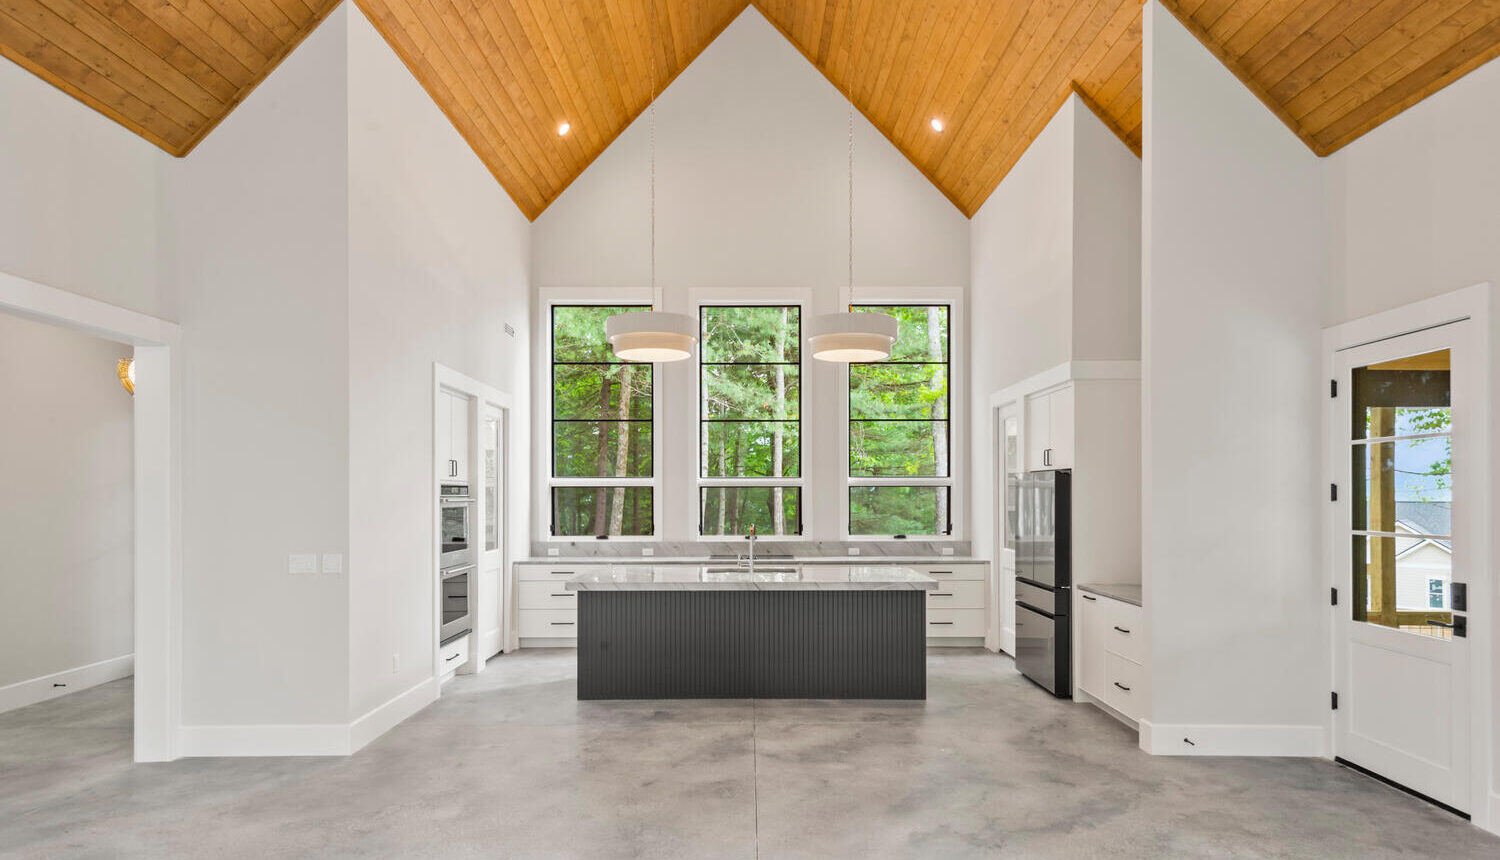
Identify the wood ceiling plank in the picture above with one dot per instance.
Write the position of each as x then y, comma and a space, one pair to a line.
221, 31
1377, 49
176, 52
1260, 25
89, 22
48, 60
44, 22
178, 26
525, 81
263, 37
1470, 38
1380, 17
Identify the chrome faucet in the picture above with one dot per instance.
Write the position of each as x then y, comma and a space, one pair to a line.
751, 537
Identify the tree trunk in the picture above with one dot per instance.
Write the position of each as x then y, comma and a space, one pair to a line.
601, 499
939, 414
723, 493
622, 450
736, 500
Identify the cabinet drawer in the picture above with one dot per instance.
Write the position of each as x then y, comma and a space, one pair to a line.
1122, 631
955, 622
958, 594
547, 572
453, 655
1122, 681
548, 623
948, 572
546, 595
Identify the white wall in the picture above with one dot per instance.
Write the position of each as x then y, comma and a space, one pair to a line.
438, 265
1234, 262
1055, 273
78, 198
66, 549
256, 226
752, 198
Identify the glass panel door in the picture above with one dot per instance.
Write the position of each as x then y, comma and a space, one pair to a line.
1401, 445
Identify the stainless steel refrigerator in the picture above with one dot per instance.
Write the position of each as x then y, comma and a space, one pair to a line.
1044, 581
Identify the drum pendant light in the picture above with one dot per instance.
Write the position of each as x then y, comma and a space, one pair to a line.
847, 336
653, 336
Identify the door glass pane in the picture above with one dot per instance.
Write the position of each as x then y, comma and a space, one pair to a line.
491, 483
1402, 499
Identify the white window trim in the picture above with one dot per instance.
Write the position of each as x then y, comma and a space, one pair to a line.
958, 416
547, 299
711, 297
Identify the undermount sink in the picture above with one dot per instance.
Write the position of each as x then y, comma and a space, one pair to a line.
743, 569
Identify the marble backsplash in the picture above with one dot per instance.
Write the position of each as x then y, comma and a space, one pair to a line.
764, 549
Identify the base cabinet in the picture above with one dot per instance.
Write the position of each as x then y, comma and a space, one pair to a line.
958, 609
1109, 635
546, 612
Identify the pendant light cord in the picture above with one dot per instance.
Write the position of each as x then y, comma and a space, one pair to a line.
651, 124
851, 206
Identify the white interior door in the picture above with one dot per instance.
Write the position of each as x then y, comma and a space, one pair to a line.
1402, 533
1009, 459
491, 609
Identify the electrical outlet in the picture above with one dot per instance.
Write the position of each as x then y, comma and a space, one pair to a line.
947, 550
854, 550
333, 562
552, 550
647, 551
299, 563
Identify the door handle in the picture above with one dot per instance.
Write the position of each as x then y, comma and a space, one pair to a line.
1122, 686
1086, 597
1121, 629
454, 657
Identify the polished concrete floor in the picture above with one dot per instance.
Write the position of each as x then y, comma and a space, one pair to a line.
510, 764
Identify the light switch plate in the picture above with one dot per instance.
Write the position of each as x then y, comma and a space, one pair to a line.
333, 562
299, 563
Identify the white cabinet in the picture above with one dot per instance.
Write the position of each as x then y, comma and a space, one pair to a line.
958, 610
453, 437
452, 657
1110, 653
1049, 429
546, 611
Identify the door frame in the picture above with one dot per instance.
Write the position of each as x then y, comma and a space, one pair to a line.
157, 570
480, 395
1472, 304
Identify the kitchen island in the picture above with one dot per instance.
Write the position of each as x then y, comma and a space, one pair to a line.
705, 632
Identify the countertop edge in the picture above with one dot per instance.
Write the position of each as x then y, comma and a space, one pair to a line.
1125, 592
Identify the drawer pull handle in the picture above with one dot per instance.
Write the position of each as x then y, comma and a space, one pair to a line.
1122, 686
454, 657
1121, 629
564, 594
561, 572
562, 624
942, 594
1086, 597
940, 622
940, 572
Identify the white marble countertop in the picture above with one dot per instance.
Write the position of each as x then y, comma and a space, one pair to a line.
1118, 591
786, 561
767, 577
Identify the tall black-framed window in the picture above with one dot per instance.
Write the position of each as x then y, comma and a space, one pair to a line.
603, 447
900, 429
750, 419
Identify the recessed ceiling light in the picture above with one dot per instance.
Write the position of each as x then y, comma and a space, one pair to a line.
563, 130
937, 124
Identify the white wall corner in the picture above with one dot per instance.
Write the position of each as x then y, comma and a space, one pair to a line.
1234, 740
40, 689
391, 714
1492, 824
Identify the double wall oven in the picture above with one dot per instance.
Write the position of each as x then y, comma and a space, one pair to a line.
456, 563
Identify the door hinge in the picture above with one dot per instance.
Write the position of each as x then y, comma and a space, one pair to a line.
1334, 597
1333, 492
1335, 700
1333, 388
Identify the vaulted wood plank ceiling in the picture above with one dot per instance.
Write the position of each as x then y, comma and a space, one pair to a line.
1335, 69
168, 70
508, 72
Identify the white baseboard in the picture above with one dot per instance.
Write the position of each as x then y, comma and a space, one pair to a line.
1294, 741
267, 740
391, 714
23, 693
312, 739
1492, 824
